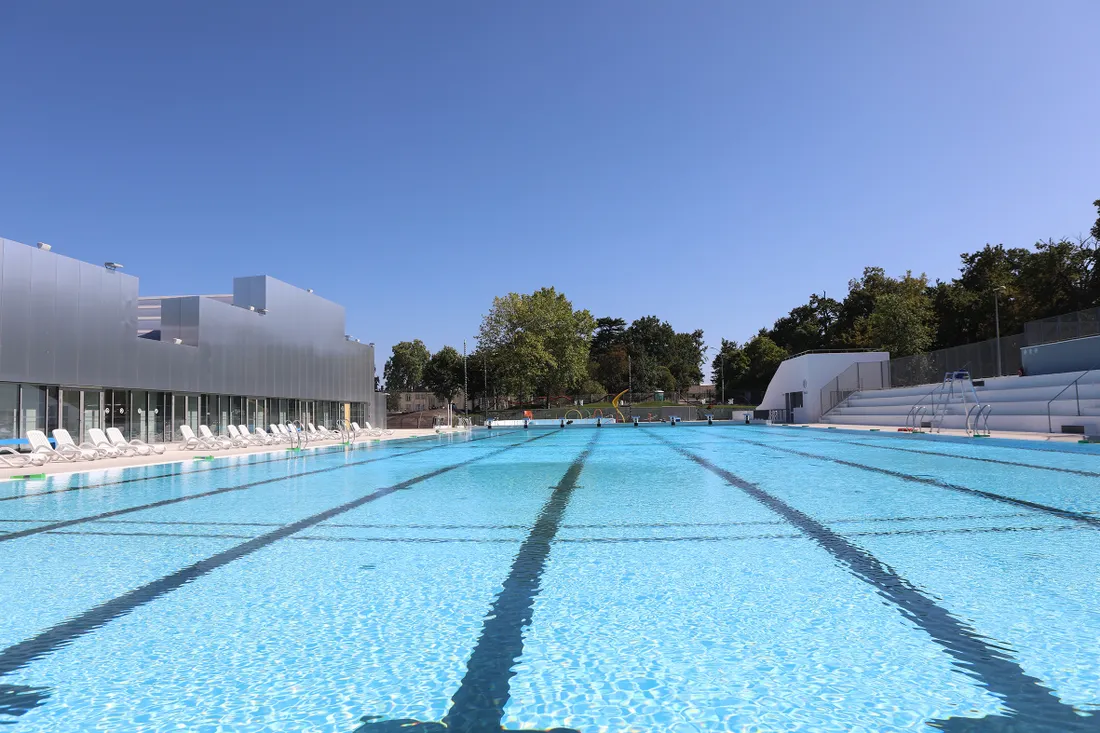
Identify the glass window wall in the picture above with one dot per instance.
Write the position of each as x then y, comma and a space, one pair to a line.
70, 413
33, 408
9, 411
93, 410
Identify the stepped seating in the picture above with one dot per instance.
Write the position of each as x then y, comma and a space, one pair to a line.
1017, 403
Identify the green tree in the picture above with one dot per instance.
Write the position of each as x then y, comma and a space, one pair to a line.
664, 380
609, 332
809, 326
729, 368
538, 342
686, 362
612, 368
443, 374
764, 357
652, 337
903, 321
404, 369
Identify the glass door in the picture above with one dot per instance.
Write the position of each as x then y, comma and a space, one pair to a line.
179, 414
154, 416
70, 413
9, 411
193, 412
116, 410
138, 408
92, 410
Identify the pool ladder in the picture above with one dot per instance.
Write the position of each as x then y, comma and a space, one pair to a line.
346, 433
977, 420
299, 438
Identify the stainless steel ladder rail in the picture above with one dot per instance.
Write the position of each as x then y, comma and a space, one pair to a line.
977, 419
915, 414
299, 437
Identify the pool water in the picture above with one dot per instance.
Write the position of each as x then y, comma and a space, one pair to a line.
689, 578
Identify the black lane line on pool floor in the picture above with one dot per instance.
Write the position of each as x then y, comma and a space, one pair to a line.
986, 661
312, 453
883, 446
478, 704
579, 540
1056, 511
19, 534
20, 655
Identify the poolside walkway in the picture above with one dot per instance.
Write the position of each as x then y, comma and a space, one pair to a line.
175, 454
957, 433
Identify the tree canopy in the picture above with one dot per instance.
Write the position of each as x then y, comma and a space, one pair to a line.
443, 374
537, 343
404, 370
909, 315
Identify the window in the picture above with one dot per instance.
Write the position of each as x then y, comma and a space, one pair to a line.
34, 408
93, 412
70, 412
9, 411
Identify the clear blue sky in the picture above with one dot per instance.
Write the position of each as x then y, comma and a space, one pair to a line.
709, 162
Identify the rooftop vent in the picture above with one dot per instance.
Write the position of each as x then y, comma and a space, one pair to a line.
44, 247
112, 265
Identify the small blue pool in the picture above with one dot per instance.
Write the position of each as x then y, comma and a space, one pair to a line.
672, 579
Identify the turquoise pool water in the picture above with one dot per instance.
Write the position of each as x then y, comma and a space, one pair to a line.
619, 579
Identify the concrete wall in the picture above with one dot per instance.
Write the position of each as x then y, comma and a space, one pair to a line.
1076, 355
72, 323
808, 374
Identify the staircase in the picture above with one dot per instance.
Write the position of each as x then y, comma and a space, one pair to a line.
1068, 402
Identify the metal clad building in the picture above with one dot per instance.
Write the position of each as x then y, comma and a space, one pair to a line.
74, 354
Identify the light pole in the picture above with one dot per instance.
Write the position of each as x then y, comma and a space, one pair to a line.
465, 382
997, 324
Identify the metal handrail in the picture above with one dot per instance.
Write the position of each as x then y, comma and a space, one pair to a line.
916, 412
344, 428
976, 411
1077, 397
983, 416
937, 388
300, 430
830, 351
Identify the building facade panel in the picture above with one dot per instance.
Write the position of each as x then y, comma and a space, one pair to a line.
70, 350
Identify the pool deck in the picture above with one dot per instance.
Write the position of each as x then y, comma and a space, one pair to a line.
1003, 434
176, 454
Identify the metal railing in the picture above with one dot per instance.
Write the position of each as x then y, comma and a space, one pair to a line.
298, 436
1063, 327
830, 351
977, 419
1076, 397
857, 377
980, 359
919, 409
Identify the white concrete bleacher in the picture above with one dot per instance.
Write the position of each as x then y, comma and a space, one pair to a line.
1042, 403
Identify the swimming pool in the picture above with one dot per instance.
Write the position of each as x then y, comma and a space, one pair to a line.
681, 579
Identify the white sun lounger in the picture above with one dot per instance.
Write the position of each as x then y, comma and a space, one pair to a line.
238, 440
99, 440
257, 438
40, 445
192, 441
279, 436
84, 451
139, 446
218, 441
14, 459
